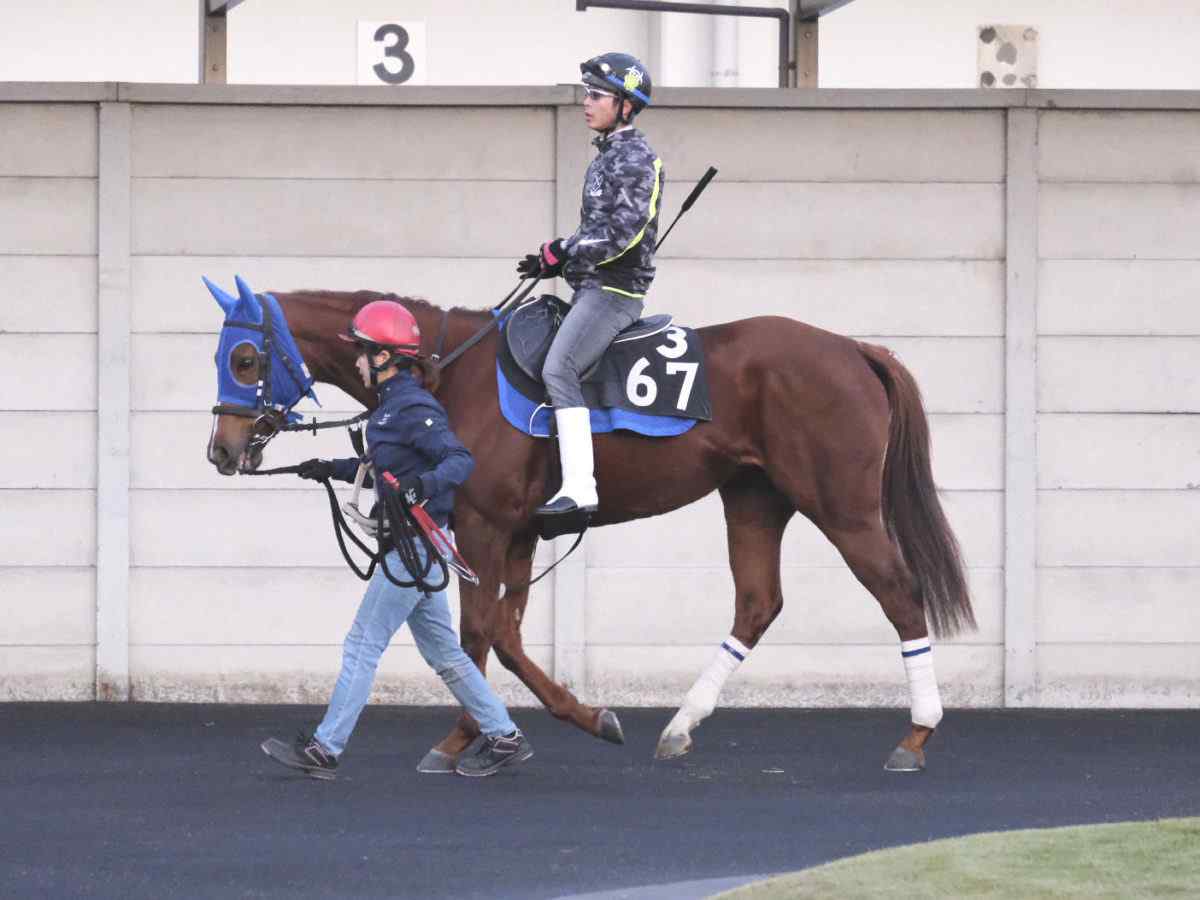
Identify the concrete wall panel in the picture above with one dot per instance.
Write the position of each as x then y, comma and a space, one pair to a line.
1118, 528
48, 139
220, 528
48, 216
1119, 675
860, 297
955, 375
53, 606
1137, 297
301, 606
1119, 146
1118, 605
1148, 452
1119, 221
55, 294
843, 221
830, 145
59, 673
175, 372
1107, 374
221, 217
421, 143
50, 528
695, 536
48, 450
169, 297
23, 385
822, 606
291, 674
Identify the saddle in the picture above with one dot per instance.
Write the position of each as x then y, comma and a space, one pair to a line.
532, 326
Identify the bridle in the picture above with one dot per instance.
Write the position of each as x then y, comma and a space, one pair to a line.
271, 417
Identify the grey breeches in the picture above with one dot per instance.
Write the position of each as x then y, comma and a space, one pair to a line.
596, 317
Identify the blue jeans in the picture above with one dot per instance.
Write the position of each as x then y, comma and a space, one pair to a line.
384, 608
596, 317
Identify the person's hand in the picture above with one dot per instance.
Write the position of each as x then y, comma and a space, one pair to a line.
552, 255
315, 469
530, 266
409, 487
412, 490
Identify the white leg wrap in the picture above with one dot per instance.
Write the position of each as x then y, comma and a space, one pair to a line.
701, 700
922, 683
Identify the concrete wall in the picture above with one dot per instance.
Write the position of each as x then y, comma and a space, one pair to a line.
48, 308
1009, 247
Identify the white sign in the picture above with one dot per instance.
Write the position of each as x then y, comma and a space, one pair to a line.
391, 53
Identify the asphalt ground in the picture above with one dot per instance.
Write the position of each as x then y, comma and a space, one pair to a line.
156, 801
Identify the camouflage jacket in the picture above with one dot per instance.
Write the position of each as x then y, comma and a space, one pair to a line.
613, 248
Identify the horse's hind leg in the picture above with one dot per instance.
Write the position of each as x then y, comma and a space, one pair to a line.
756, 515
877, 564
510, 650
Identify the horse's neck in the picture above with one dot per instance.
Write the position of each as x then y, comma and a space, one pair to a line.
316, 318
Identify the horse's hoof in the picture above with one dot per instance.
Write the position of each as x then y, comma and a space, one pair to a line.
610, 727
437, 763
672, 744
905, 760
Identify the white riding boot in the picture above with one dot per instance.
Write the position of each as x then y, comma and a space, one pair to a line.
578, 489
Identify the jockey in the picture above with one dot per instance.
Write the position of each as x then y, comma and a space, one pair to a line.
409, 436
608, 261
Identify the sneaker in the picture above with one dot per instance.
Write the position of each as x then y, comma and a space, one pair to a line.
495, 753
305, 754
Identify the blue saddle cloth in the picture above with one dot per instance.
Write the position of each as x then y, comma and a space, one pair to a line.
533, 418
526, 335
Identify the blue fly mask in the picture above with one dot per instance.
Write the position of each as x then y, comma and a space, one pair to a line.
283, 379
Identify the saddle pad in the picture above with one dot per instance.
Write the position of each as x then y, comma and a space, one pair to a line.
535, 417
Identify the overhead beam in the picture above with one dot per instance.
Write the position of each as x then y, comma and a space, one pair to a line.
814, 9
710, 9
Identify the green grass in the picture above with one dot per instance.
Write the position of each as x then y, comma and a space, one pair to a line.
1097, 862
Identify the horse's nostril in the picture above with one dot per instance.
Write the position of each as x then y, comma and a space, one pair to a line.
218, 455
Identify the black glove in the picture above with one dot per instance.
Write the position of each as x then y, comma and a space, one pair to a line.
409, 487
412, 490
546, 263
315, 469
553, 256
530, 266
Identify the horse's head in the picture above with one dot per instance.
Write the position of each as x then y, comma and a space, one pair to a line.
260, 377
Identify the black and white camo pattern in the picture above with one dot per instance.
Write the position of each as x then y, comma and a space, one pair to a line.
617, 192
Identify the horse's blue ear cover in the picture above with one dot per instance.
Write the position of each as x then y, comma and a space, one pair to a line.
241, 313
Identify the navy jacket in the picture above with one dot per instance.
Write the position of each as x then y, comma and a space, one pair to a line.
409, 434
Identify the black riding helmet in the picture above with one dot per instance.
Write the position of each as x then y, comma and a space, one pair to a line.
623, 74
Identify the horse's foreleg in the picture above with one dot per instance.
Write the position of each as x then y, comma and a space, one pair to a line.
510, 650
876, 563
755, 515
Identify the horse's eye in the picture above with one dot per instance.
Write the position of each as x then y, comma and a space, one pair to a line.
245, 364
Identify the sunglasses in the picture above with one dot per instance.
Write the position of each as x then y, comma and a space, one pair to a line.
596, 94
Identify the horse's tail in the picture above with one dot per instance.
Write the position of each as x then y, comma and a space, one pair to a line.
911, 510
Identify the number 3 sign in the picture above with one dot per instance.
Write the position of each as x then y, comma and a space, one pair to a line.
391, 53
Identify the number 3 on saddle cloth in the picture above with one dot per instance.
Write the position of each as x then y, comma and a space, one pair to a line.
651, 380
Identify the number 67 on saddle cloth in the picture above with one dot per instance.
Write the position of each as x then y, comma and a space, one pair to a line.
441, 542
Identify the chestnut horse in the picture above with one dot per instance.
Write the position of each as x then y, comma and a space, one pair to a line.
803, 421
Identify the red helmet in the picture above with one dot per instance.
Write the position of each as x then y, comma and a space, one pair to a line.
385, 325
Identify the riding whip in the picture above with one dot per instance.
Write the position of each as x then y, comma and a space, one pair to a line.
687, 204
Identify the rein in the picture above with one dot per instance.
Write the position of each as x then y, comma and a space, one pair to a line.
406, 539
498, 312
270, 420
